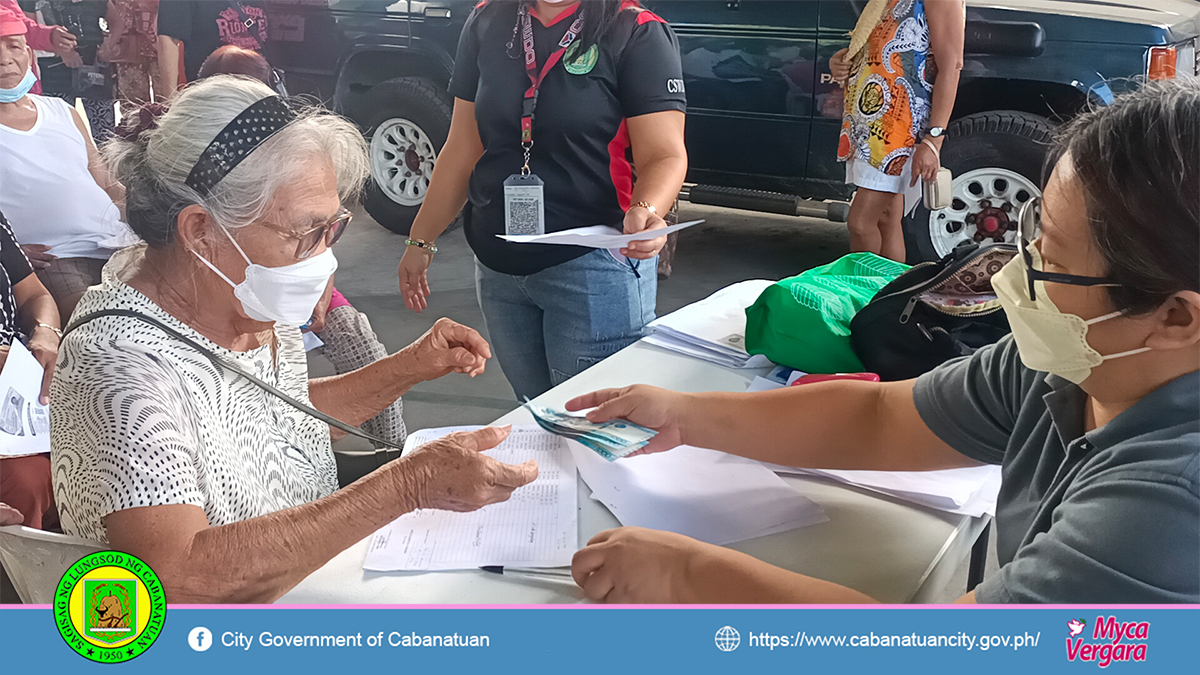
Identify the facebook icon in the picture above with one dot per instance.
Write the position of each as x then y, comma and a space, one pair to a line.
200, 639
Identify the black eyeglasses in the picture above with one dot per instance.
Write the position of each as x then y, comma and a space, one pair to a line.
308, 241
1029, 228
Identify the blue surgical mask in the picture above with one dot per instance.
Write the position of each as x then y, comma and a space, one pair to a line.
18, 92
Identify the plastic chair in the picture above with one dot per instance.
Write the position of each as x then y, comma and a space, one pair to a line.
35, 560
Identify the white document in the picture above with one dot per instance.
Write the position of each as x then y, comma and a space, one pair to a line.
536, 527
311, 341
595, 236
24, 421
763, 384
713, 329
970, 491
705, 494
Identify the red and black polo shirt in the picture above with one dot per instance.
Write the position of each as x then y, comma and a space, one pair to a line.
581, 144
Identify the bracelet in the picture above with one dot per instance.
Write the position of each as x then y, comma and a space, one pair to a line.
421, 244
57, 331
936, 153
648, 206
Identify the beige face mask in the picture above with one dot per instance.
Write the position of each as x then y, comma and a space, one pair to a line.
1049, 341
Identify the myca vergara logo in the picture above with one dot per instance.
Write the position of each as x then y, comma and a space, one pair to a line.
109, 607
1111, 641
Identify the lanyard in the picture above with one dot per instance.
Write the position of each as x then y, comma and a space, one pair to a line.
529, 104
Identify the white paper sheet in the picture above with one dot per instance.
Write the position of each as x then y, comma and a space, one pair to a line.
24, 421
536, 527
713, 329
595, 236
311, 341
705, 494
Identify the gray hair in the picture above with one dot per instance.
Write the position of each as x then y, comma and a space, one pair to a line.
155, 165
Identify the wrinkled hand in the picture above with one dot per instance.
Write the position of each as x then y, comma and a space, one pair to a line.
38, 255
9, 515
839, 67
638, 219
317, 323
62, 40
43, 344
925, 164
651, 407
414, 282
72, 59
453, 474
449, 347
636, 565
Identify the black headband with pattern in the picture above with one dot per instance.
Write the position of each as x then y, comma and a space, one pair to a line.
237, 140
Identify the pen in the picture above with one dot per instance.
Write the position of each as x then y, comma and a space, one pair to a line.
542, 574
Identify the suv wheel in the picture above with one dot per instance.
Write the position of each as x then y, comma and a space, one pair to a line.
997, 160
407, 122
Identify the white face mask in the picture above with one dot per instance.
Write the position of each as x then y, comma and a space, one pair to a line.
1049, 341
286, 295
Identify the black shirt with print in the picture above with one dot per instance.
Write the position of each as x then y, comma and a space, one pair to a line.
581, 143
14, 268
203, 26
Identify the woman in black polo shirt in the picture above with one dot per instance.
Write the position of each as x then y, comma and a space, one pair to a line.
603, 83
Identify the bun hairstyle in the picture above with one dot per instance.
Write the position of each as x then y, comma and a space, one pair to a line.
154, 155
1138, 162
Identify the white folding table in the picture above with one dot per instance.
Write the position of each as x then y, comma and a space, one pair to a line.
893, 551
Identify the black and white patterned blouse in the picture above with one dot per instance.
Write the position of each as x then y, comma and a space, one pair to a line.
141, 419
14, 268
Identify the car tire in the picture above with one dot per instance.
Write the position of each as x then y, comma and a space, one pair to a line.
407, 121
997, 159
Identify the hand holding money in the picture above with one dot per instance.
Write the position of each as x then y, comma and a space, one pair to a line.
611, 439
658, 410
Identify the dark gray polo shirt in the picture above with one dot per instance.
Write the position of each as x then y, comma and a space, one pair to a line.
1107, 516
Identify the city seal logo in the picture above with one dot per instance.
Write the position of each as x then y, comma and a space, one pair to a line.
580, 64
109, 607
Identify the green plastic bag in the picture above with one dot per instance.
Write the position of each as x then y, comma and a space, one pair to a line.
803, 322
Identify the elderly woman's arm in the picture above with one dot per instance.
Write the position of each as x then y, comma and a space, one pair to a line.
260, 559
37, 314
357, 396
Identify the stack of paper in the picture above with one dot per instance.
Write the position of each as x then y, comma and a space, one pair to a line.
536, 527
713, 329
705, 494
970, 491
24, 421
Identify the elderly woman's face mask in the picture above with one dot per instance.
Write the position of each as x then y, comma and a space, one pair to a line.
285, 295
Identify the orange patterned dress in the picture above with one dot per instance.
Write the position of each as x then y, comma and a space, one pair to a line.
888, 101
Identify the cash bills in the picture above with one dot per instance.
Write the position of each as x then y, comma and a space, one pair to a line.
611, 440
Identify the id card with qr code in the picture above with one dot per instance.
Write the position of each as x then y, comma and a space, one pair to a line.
524, 205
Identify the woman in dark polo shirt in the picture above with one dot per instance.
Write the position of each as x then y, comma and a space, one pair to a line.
1092, 406
557, 98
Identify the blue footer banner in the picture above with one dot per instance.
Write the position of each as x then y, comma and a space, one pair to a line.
221, 641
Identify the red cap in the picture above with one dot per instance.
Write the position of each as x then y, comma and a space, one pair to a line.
10, 23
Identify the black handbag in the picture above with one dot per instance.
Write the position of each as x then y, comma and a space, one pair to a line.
932, 313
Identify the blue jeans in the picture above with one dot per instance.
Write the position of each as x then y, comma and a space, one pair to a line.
554, 324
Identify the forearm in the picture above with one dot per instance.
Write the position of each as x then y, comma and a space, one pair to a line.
446, 197
728, 577
944, 93
831, 425
260, 559
659, 180
38, 309
168, 64
357, 396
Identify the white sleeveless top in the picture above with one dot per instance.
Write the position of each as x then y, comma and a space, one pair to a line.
47, 193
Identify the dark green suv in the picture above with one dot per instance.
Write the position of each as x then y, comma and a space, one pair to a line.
763, 112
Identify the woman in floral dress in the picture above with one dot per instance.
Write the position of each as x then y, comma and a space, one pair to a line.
896, 117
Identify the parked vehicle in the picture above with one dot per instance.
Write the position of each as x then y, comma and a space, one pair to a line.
763, 111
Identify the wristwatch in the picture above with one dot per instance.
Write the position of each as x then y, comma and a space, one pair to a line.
936, 132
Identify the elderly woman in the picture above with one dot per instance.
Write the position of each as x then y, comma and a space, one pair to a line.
1091, 406
228, 492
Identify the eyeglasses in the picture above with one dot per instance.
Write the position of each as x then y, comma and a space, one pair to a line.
308, 241
1029, 228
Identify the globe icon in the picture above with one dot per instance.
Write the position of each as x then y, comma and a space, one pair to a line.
728, 639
